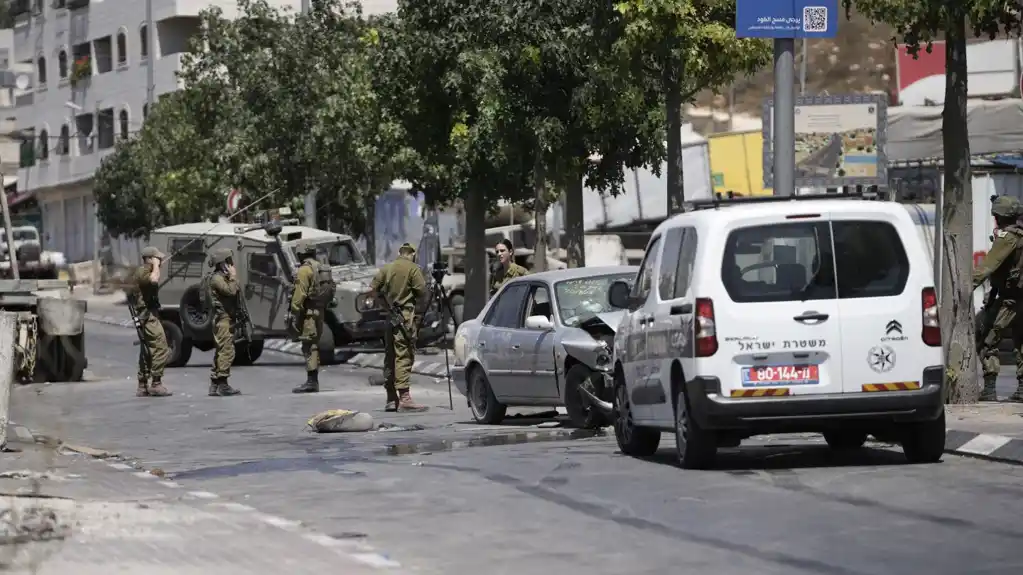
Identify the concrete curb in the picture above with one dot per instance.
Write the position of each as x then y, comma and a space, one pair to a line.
370, 360
988, 446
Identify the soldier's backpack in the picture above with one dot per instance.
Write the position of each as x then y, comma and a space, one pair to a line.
321, 293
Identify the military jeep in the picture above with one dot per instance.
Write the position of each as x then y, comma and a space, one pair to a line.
266, 263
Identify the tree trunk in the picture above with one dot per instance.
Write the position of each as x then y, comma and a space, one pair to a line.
574, 231
476, 292
540, 212
673, 113
956, 310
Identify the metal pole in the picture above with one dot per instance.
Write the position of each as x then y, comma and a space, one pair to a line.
784, 117
151, 57
309, 206
12, 254
8, 355
802, 70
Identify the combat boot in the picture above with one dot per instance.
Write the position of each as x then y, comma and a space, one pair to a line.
988, 393
143, 389
392, 398
158, 390
406, 405
1017, 396
220, 388
311, 385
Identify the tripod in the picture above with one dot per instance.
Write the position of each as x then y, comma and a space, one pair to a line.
439, 296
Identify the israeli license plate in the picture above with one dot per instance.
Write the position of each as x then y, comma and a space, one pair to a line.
772, 375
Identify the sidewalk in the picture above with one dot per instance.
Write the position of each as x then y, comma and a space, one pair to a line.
63, 513
988, 430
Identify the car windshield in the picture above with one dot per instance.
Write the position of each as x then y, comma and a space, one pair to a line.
581, 298
336, 253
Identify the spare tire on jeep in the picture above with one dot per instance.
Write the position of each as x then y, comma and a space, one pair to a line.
196, 317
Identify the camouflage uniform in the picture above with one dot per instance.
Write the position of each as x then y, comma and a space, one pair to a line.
154, 352
400, 284
1002, 267
307, 317
505, 275
224, 297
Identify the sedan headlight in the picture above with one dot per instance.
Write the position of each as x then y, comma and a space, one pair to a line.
365, 302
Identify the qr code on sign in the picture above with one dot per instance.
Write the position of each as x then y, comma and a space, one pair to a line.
815, 19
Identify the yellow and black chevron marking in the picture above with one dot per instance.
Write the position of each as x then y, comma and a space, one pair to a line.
767, 391
896, 386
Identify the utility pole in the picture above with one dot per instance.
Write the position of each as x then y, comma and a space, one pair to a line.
310, 194
150, 56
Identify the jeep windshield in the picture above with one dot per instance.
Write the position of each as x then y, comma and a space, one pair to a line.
335, 253
581, 298
25, 236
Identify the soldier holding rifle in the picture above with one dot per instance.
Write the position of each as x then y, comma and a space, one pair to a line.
223, 293
144, 302
398, 287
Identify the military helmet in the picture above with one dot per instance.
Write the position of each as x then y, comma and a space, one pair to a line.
221, 256
152, 252
1005, 206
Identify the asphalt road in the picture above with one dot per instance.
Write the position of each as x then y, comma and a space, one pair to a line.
780, 506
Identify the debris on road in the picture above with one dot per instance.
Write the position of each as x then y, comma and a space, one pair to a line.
340, 420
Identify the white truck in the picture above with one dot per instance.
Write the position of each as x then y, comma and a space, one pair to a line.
33, 261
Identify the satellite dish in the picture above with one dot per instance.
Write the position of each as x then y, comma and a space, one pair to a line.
22, 81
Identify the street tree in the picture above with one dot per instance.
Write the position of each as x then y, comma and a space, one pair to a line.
918, 23
173, 170
685, 47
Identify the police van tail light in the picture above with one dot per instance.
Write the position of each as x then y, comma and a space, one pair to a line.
932, 330
706, 330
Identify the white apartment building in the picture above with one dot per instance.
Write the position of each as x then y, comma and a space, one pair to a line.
89, 91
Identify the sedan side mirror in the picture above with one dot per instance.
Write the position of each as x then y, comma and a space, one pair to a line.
539, 323
618, 294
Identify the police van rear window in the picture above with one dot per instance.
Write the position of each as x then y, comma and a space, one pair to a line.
798, 262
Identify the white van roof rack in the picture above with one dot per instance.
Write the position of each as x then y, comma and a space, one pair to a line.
724, 202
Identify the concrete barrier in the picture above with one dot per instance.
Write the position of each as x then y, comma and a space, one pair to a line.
8, 331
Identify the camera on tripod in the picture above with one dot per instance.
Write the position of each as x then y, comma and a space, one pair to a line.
440, 269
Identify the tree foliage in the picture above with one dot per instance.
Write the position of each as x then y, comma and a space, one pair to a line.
918, 23
682, 47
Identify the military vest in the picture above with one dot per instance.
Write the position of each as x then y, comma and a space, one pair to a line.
1007, 278
323, 287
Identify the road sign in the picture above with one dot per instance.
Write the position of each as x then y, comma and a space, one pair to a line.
840, 141
234, 200
786, 18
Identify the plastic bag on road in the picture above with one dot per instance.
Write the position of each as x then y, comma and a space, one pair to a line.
340, 420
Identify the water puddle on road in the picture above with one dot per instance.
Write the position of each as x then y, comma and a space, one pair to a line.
517, 438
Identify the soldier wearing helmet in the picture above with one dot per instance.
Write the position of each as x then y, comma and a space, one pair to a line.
314, 292
1002, 266
154, 352
223, 294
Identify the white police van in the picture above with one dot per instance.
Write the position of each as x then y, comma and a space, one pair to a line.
776, 315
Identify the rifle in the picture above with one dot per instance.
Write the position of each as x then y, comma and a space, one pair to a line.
147, 357
243, 322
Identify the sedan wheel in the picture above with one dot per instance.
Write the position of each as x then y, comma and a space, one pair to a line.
484, 405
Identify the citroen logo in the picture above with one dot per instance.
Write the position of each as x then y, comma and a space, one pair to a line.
893, 327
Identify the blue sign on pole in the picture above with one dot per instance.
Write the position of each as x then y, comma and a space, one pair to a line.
786, 18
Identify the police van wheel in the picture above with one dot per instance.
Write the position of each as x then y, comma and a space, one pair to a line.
180, 346
924, 441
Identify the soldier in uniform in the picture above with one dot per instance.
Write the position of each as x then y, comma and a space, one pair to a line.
401, 285
154, 356
507, 269
1002, 267
224, 297
307, 316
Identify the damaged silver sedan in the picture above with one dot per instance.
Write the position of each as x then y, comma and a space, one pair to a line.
544, 340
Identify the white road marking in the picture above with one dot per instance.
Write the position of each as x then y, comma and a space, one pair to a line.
984, 444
